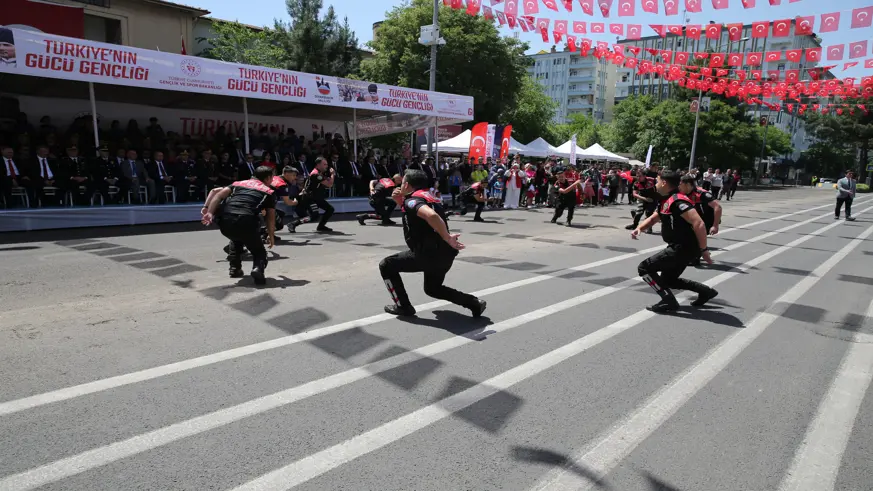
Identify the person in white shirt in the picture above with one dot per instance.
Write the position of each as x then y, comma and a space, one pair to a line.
845, 195
717, 182
707, 179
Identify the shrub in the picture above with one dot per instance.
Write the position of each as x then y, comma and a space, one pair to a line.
862, 188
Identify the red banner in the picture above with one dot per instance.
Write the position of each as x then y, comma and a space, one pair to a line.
504, 142
50, 18
478, 138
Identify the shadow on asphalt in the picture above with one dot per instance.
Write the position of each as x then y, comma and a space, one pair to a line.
455, 323
542, 456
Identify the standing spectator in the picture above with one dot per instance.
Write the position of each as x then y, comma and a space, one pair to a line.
707, 179
726, 183
614, 182
514, 183
845, 195
717, 180
735, 182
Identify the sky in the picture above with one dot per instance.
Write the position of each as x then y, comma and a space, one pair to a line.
363, 13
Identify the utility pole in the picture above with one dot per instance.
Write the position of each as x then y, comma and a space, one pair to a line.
433, 64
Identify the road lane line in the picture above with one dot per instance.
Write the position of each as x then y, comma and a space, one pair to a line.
108, 383
321, 462
817, 461
623, 437
104, 455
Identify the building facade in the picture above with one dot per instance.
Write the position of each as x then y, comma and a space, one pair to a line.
579, 85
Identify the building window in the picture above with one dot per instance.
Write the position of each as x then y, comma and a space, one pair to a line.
102, 29
781, 67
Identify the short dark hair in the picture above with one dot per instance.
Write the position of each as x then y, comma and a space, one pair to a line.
288, 169
263, 172
669, 177
417, 179
688, 179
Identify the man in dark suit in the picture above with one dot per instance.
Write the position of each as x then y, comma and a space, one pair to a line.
44, 172
382, 167
246, 169
12, 175
164, 174
135, 175
371, 170
353, 179
77, 175
238, 155
428, 168
302, 167
399, 166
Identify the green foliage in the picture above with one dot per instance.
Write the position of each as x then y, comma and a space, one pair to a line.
476, 60
862, 188
237, 43
315, 44
843, 141
531, 115
587, 131
627, 122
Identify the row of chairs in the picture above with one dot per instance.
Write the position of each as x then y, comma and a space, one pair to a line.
21, 194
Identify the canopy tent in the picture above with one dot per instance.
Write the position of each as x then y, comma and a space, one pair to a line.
540, 148
563, 150
596, 152
52, 66
461, 144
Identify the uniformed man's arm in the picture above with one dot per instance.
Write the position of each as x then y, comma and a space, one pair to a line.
690, 215
216, 197
209, 198
716, 210
437, 223
271, 226
646, 224
373, 186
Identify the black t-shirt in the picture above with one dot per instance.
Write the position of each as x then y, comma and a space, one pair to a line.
675, 229
475, 189
313, 185
382, 189
702, 199
249, 198
646, 189
419, 235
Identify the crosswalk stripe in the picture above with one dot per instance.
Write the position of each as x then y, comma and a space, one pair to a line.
147, 441
321, 462
619, 441
74, 391
817, 460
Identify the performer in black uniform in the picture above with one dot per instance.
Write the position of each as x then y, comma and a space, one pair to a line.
685, 234
241, 204
566, 195
380, 200
643, 190
474, 194
314, 191
706, 205
432, 249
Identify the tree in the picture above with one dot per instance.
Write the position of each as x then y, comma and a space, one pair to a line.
531, 115
237, 43
626, 123
841, 135
317, 45
668, 127
476, 60
587, 131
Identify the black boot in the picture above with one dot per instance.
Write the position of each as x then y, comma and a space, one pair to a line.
704, 296
400, 311
258, 274
478, 308
362, 218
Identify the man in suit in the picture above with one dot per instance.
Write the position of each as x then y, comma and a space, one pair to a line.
164, 174
302, 167
382, 167
190, 172
399, 166
246, 169
428, 168
371, 170
846, 188
238, 155
77, 175
44, 172
134, 175
353, 179
13, 175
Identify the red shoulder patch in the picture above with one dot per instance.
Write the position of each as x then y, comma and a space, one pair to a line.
425, 195
387, 183
278, 182
253, 184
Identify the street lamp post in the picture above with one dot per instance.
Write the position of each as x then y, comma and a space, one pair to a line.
433, 61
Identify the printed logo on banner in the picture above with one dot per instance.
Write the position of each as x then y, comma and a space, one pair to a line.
190, 68
323, 89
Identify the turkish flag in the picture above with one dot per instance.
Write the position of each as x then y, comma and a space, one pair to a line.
735, 59
456, 4
793, 55
862, 17
829, 22
597, 28
477, 140
713, 31
551, 4
634, 31
773, 56
803, 25
701, 56
858, 49
781, 28
675, 29
716, 60
605, 7
836, 52
650, 6
868, 63
568, 4
756, 74
579, 27
631, 63
558, 37
501, 17
719, 4
523, 24
447, 3
545, 35
760, 29
754, 59
511, 8
586, 44
617, 29
775, 2
659, 29
813, 54
495, 2
851, 64
618, 49
473, 6
773, 75
681, 58
543, 25
627, 8
571, 42
692, 31
587, 6
561, 26
666, 56
749, 4
487, 12
531, 7
735, 31
693, 6
671, 7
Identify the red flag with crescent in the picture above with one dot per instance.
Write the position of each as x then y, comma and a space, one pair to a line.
504, 141
478, 136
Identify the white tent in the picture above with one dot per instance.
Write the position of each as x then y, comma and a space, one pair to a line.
516, 148
563, 150
596, 152
457, 144
539, 148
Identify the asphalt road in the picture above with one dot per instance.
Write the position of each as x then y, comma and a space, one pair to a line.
130, 361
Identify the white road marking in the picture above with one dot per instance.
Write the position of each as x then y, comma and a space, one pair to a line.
619, 441
71, 392
321, 462
817, 460
100, 456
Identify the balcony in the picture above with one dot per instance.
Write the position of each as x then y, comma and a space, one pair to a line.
579, 105
581, 78
581, 91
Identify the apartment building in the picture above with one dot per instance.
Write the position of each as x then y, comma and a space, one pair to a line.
579, 85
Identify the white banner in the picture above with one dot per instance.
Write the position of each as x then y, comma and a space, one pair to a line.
393, 123
44, 55
489, 140
573, 150
649, 157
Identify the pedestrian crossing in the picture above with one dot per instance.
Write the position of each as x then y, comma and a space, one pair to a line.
563, 389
